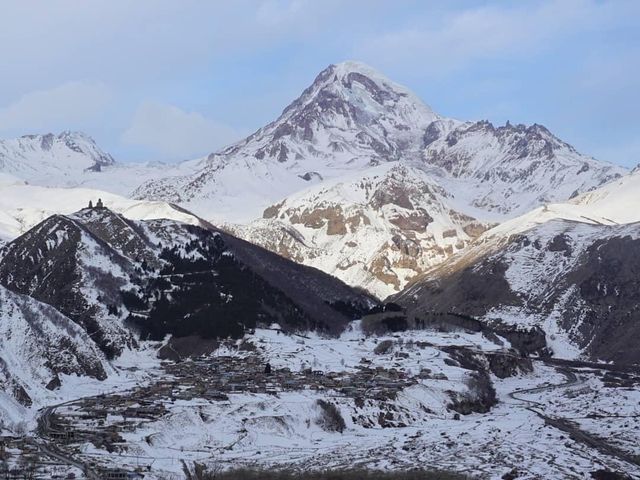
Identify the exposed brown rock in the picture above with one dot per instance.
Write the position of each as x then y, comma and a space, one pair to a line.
475, 229
381, 269
272, 211
416, 221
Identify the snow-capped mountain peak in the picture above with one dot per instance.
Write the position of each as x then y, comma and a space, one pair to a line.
511, 169
349, 122
363, 88
350, 118
48, 159
350, 111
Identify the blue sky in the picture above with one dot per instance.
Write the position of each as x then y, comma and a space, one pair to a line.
171, 80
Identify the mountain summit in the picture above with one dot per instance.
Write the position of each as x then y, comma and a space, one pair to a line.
359, 160
350, 118
351, 114
48, 159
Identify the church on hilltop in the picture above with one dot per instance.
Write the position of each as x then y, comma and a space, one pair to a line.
98, 205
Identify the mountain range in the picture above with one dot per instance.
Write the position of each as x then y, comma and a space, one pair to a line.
359, 160
358, 192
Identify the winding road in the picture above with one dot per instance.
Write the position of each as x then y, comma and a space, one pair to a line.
49, 448
576, 434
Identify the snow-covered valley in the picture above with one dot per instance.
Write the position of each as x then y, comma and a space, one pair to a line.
549, 421
361, 283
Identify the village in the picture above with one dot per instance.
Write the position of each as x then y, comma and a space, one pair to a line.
103, 419
244, 391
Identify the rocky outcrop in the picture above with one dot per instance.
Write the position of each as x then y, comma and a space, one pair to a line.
378, 230
512, 169
506, 365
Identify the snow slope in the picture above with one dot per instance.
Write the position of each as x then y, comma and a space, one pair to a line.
350, 118
73, 159
23, 206
568, 268
614, 203
375, 229
507, 171
52, 159
38, 346
617, 201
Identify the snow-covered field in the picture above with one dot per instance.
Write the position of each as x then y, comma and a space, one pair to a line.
23, 206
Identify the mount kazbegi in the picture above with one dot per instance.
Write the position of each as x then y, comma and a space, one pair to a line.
360, 160
349, 119
373, 187
352, 118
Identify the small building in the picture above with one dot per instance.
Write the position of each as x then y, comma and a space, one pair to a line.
64, 436
98, 205
119, 474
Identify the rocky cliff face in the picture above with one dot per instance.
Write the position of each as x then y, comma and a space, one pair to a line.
349, 113
38, 345
377, 230
511, 169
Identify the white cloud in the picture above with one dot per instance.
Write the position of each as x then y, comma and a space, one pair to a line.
174, 133
510, 30
69, 105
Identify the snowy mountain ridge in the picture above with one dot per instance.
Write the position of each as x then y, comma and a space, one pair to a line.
344, 128
328, 147
23, 206
349, 119
509, 170
118, 281
567, 268
52, 158
376, 229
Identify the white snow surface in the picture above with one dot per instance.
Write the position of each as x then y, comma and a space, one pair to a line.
31, 336
376, 228
23, 206
282, 430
